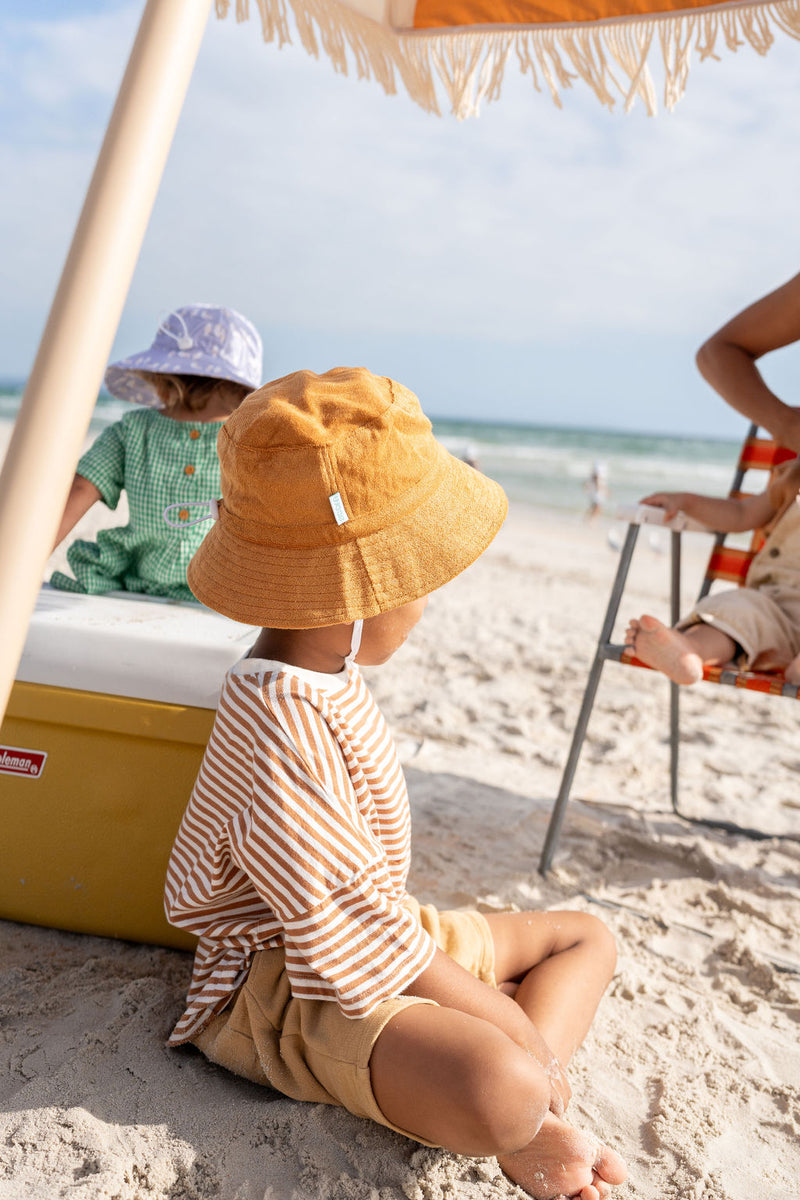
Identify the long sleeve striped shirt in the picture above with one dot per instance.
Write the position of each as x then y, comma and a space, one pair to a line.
297, 834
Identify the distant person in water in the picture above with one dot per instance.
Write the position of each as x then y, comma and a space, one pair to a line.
203, 362
469, 455
596, 487
728, 360
758, 625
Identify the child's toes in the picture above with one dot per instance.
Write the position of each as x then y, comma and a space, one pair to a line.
609, 1167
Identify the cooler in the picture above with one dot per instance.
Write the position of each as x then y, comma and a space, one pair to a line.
105, 729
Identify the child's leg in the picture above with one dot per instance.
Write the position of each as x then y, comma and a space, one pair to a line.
793, 670
679, 654
562, 963
458, 1081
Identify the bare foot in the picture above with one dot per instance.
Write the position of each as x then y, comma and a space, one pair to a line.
563, 1161
665, 649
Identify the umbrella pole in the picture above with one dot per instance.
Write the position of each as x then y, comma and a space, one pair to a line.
68, 369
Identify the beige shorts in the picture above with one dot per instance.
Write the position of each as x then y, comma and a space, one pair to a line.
762, 620
308, 1049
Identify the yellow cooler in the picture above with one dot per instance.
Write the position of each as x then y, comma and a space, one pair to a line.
102, 740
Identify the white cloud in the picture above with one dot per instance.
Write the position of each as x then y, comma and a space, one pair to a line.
368, 211
58, 70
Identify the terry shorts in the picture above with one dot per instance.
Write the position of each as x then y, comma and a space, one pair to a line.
308, 1049
764, 621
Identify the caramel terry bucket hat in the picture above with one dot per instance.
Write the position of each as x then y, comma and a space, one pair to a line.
338, 503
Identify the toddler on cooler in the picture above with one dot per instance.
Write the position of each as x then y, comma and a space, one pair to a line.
203, 362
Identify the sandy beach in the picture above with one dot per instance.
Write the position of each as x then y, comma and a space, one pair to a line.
692, 1068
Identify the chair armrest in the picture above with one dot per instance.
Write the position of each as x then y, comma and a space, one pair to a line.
648, 514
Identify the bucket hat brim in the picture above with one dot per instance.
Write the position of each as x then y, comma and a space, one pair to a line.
304, 588
123, 380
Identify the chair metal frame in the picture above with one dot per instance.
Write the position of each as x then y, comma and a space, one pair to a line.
756, 454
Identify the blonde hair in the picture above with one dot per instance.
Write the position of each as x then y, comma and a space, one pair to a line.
193, 392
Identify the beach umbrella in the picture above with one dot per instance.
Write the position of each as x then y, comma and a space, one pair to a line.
466, 46
463, 47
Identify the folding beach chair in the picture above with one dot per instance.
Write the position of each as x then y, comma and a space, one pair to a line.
725, 562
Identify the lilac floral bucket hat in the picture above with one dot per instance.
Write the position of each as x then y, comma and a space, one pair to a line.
199, 339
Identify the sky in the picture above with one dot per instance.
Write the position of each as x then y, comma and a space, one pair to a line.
533, 265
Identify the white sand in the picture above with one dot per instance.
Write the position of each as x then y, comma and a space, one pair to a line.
692, 1069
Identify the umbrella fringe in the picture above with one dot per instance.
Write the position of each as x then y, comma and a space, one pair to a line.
470, 64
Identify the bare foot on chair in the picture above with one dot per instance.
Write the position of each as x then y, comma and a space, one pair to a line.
665, 649
563, 1161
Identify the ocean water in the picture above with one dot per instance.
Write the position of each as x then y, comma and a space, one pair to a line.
547, 466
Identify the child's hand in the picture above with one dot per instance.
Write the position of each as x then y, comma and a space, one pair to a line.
671, 502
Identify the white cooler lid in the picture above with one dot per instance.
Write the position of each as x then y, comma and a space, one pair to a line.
122, 644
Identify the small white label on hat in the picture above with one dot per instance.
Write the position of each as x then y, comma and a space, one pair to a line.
339, 514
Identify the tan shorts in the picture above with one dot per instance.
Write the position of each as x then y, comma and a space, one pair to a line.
308, 1049
762, 620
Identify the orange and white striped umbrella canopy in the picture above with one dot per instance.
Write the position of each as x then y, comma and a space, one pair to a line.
466, 45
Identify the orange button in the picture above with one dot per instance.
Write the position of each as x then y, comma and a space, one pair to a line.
188, 470
194, 434
184, 514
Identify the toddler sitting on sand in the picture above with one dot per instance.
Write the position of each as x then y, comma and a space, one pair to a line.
757, 624
316, 973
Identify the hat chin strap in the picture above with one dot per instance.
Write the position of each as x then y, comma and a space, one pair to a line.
355, 642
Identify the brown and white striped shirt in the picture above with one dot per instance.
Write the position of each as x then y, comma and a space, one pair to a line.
297, 834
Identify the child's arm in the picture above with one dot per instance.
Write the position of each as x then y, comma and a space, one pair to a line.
451, 986
728, 360
82, 495
100, 475
725, 515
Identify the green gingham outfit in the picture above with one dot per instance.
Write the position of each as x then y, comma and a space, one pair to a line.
147, 454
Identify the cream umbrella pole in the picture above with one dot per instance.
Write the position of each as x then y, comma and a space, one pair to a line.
66, 375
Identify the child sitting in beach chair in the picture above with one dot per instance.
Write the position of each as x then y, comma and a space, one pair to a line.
203, 362
316, 972
758, 625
